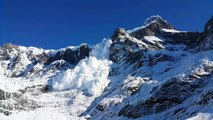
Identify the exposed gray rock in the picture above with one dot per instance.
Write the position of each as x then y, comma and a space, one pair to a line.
206, 98
122, 51
153, 60
71, 56
208, 30
57, 66
15, 101
4, 95
125, 48
190, 39
171, 93
207, 37
5, 112
43, 58
118, 33
7, 50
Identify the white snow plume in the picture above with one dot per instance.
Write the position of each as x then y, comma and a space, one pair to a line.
101, 50
90, 74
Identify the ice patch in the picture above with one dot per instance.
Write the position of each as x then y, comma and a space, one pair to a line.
153, 39
172, 30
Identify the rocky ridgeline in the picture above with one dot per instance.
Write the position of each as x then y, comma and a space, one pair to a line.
61, 59
71, 56
176, 90
131, 51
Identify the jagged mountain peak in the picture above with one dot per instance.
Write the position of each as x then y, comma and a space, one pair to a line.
152, 25
153, 18
151, 72
159, 33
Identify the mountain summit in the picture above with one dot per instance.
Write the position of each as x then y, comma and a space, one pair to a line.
151, 72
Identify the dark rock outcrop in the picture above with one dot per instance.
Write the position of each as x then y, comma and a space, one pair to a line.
6, 50
208, 30
190, 39
207, 37
42, 58
171, 93
4, 95
57, 66
71, 56
153, 60
206, 98
118, 33
154, 28
125, 47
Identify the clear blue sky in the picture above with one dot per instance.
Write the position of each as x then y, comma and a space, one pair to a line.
60, 23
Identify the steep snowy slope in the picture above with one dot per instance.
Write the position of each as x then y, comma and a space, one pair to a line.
151, 72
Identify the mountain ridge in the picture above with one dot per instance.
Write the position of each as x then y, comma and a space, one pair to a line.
153, 71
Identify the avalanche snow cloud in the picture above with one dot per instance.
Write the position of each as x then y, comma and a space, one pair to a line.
90, 74
153, 71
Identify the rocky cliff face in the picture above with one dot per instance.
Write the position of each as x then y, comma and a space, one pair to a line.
208, 30
25, 60
148, 55
207, 36
153, 71
71, 56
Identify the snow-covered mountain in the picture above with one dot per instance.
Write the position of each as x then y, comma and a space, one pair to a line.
151, 72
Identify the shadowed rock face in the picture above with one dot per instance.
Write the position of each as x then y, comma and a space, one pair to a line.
3, 95
71, 56
7, 50
118, 33
125, 47
190, 39
19, 102
175, 90
123, 42
207, 36
171, 93
208, 28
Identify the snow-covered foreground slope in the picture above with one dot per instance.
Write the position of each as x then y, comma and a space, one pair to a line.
151, 72
72, 89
